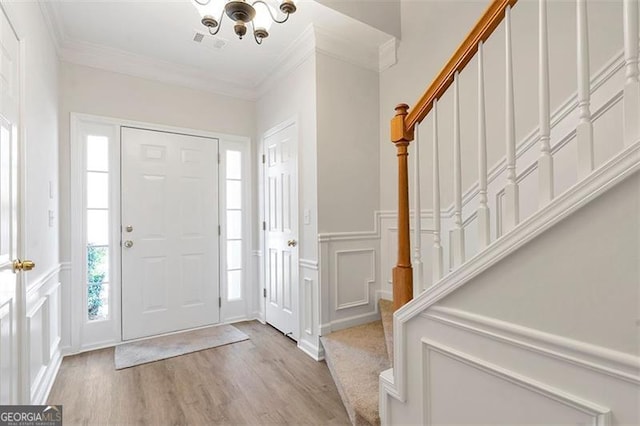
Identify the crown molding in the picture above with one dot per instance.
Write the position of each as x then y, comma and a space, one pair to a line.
119, 61
358, 54
53, 20
291, 58
312, 40
388, 54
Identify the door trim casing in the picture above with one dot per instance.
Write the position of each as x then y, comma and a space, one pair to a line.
75, 313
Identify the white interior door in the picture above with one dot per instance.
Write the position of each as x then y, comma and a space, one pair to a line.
9, 286
281, 214
170, 278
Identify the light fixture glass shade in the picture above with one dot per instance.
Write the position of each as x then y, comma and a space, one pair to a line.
212, 8
263, 18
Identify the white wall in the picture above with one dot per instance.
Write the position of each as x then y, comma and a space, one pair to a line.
295, 97
104, 93
580, 279
381, 14
348, 154
99, 92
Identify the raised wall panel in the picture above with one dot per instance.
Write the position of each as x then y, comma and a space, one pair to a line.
565, 166
7, 361
494, 395
37, 341
53, 300
355, 272
308, 306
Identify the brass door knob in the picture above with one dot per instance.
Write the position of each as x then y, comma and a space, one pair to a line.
23, 265
292, 243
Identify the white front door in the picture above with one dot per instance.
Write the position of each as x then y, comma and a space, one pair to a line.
281, 234
170, 278
9, 286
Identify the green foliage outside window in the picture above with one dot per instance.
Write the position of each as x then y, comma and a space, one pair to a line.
96, 274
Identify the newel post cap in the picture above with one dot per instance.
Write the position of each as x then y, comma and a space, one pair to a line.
399, 132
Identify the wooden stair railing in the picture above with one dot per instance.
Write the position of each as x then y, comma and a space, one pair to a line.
403, 127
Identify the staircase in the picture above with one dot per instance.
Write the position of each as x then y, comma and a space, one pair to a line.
356, 356
537, 322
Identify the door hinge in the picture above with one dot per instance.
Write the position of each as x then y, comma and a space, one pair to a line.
264, 293
264, 159
219, 302
264, 226
219, 230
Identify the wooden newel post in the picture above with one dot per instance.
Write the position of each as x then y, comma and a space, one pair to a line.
403, 272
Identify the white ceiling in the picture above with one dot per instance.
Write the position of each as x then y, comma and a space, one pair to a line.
162, 32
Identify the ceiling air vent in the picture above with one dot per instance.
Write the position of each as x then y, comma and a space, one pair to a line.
198, 37
215, 43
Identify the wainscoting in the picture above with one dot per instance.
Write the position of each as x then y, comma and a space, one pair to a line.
43, 335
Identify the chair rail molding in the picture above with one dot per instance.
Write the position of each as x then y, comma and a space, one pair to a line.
613, 363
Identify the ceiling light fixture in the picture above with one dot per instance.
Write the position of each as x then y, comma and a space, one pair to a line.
259, 13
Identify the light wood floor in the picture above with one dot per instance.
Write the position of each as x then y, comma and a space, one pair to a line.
265, 380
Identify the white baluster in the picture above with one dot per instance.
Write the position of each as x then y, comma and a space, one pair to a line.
484, 226
437, 241
458, 230
511, 199
545, 162
418, 285
632, 82
584, 131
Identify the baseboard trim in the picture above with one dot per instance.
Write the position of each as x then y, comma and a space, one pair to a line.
314, 351
349, 322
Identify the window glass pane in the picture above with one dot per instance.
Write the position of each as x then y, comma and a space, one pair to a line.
98, 301
234, 224
234, 285
98, 227
97, 190
98, 153
234, 194
97, 264
234, 165
234, 254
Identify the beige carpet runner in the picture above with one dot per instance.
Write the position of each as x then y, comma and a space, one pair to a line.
159, 348
356, 356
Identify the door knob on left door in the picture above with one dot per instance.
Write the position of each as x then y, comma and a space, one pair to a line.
292, 243
23, 265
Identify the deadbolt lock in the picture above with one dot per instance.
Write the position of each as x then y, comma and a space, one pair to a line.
129, 228
23, 265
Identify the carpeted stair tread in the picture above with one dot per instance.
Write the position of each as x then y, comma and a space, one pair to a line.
386, 313
355, 357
